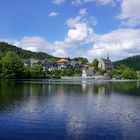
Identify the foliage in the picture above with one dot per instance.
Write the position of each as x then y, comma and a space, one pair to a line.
132, 62
56, 73
36, 71
123, 72
82, 59
129, 74
138, 76
11, 66
95, 63
27, 73
101, 71
5, 47
66, 72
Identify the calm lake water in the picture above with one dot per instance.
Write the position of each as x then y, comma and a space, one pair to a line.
41, 110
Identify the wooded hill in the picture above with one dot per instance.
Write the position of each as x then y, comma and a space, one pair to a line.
132, 62
25, 54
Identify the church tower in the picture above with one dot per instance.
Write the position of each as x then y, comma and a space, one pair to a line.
108, 56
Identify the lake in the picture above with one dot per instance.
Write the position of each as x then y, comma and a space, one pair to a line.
58, 110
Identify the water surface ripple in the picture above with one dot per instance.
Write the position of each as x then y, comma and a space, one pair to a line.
53, 110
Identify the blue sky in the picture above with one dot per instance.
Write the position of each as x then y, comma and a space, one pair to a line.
72, 28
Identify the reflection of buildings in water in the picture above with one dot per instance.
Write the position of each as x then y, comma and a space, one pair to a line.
104, 90
84, 85
100, 89
57, 93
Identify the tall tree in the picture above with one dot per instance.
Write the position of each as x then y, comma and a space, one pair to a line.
129, 74
95, 63
12, 66
36, 71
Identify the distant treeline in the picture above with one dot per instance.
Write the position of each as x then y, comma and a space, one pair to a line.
131, 62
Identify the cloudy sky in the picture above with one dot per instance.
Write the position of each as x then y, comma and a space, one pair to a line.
73, 28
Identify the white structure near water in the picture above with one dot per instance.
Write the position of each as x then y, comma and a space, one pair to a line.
84, 74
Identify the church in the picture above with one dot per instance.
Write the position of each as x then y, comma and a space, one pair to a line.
105, 64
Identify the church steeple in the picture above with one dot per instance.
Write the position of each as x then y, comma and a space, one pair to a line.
107, 55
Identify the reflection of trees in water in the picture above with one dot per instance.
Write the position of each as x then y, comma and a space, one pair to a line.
11, 91
19, 90
102, 89
80, 89
23, 90
129, 88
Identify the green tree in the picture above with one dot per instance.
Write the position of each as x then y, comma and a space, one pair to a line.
27, 73
69, 72
36, 71
77, 72
84, 61
12, 66
101, 71
56, 73
95, 63
129, 74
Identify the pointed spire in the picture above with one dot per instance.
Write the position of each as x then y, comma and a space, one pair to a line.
108, 55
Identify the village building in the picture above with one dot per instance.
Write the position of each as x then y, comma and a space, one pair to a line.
62, 63
75, 64
49, 66
88, 71
35, 62
105, 64
26, 63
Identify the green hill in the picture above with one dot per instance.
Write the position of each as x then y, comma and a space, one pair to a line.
132, 62
25, 54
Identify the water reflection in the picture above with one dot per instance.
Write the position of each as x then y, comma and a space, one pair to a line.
36, 110
20, 90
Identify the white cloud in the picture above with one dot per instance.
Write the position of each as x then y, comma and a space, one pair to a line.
71, 22
35, 44
80, 34
120, 44
130, 10
82, 11
101, 2
53, 14
81, 18
58, 2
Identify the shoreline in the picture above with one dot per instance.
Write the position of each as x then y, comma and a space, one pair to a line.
63, 81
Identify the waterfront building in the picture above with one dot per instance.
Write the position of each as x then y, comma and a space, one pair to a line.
105, 64
88, 71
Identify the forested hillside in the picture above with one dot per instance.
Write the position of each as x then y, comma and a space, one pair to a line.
132, 62
25, 54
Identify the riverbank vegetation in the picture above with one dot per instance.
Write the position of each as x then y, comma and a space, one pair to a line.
123, 72
12, 67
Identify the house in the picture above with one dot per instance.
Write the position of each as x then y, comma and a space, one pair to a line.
88, 71
75, 64
26, 63
62, 63
49, 66
35, 62
105, 64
